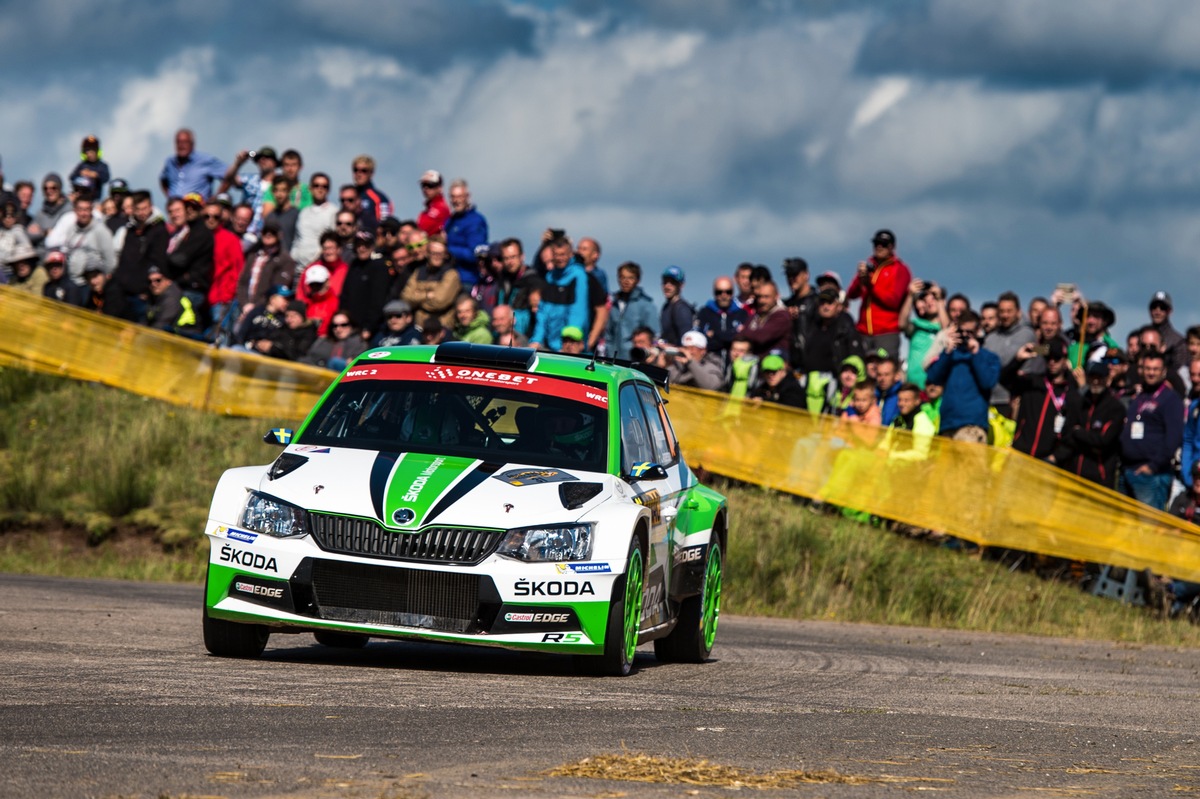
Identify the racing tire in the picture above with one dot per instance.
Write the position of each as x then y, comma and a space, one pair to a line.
696, 629
340, 640
230, 639
624, 622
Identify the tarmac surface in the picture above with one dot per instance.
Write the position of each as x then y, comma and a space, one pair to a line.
106, 690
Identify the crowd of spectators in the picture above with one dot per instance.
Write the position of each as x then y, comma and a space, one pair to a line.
296, 267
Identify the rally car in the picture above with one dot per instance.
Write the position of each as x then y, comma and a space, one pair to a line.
473, 494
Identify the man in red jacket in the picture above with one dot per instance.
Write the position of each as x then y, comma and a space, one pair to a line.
881, 282
228, 262
433, 219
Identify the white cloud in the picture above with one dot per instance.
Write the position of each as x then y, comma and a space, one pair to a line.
889, 92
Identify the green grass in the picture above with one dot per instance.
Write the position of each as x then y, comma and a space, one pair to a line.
95, 482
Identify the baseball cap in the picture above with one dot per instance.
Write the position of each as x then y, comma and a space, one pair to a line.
89, 143
193, 199
283, 291
93, 265
694, 338
483, 251
82, 182
271, 227
21, 252
829, 294
224, 200
1056, 350
364, 237
1097, 369
572, 333
773, 363
431, 176
395, 307
316, 274
118, 186
55, 257
153, 269
794, 266
1163, 297
885, 237
673, 273
265, 152
829, 277
298, 307
390, 224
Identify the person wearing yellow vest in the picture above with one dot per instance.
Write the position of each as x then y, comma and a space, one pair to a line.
169, 310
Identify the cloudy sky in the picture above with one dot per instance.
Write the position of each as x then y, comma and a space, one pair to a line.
1010, 144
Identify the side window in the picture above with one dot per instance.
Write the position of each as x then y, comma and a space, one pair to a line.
636, 446
664, 450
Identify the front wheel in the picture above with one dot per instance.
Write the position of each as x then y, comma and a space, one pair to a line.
696, 630
624, 622
232, 640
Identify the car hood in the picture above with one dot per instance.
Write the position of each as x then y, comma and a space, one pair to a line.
407, 491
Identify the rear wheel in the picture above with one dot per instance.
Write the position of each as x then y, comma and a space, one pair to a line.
230, 639
624, 622
340, 640
696, 630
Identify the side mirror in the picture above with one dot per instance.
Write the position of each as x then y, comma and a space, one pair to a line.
278, 436
646, 471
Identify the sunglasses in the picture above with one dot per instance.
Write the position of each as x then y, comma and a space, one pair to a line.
318, 185
1159, 306
345, 224
363, 170
398, 315
347, 199
341, 324
722, 292
157, 280
212, 216
429, 185
416, 245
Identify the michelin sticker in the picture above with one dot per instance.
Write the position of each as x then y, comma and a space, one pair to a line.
583, 568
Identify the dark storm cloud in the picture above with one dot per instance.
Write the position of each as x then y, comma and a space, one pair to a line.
1119, 43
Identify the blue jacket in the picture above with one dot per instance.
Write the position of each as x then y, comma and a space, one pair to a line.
969, 380
1160, 415
564, 303
1191, 440
626, 316
889, 404
464, 232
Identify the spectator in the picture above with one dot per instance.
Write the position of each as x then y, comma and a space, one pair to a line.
294, 339
300, 197
241, 219
119, 195
387, 237
321, 298
564, 297
58, 285
346, 226
101, 293
721, 318
1036, 306
572, 340
802, 305
881, 283
742, 371
436, 213
829, 337
1090, 445
372, 205
170, 310
471, 323
955, 305
770, 328
256, 187
1190, 455
1149, 339
910, 417
489, 265
851, 372
91, 165
314, 220
503, 330
695, 366
342, 345
228, 261
190, 256
863, 407
12, 236
398, 327
23, 191
87, 240
968, 373
677, 315
989, 317
1046, 399
922, 316
1153, 432
631, 309
1173, 343
189, 171
145, 246
263, 319
466, 229
1006, 339
365, 288
777, 384
282, 212
434, 287
1173, 596
267, 265
599, 310
434, 333
23, 271
745, 291
1090, 339
518, 286
54, 205
887, 389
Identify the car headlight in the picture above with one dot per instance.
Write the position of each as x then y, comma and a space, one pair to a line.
270, 516
555, 542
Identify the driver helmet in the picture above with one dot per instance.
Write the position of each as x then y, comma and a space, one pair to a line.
428, 424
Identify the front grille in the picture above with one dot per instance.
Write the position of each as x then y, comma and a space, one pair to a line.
396, 597
351, 536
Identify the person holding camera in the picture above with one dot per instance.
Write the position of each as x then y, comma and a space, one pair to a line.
969, 373
882, 283
1047, 400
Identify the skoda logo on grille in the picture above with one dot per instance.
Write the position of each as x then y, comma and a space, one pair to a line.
404, 516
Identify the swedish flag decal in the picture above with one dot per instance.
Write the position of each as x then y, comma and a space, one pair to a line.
282, 435
638, 469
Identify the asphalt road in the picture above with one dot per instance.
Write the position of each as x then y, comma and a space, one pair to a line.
106, 690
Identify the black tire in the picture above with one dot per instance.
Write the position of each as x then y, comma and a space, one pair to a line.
696, 629
618, 657
230, 639
340, 640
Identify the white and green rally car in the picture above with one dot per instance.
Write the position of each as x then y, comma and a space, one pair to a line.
478, 495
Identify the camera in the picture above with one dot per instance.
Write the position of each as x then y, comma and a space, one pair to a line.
1041, 349
557, 233
251, 154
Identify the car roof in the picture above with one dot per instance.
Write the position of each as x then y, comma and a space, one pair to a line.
584, 368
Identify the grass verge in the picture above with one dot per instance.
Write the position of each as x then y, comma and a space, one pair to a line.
95, 482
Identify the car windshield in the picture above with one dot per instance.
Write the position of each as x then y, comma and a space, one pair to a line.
491, 415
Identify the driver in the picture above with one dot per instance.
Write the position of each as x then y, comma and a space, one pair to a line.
570, 432
428, 424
